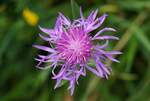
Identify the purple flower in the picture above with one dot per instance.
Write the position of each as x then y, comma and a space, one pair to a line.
73, 47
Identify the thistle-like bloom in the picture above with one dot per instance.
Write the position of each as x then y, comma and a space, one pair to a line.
73, 45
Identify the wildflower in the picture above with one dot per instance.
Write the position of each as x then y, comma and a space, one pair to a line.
31, 17
72, 47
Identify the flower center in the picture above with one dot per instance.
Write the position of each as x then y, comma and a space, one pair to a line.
74, 46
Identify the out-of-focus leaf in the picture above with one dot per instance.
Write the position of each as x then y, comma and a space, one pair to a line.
75, 9
6, 41
44, 95
2, 8
127, 76
110, 8
91, 86
21, 87
143, 39
131, 54
134, 5
139, 34
142, 91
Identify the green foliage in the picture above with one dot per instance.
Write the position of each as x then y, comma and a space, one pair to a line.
21, 80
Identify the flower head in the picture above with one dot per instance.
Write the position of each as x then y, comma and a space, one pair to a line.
72, 47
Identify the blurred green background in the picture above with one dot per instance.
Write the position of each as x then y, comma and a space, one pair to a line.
20, 80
